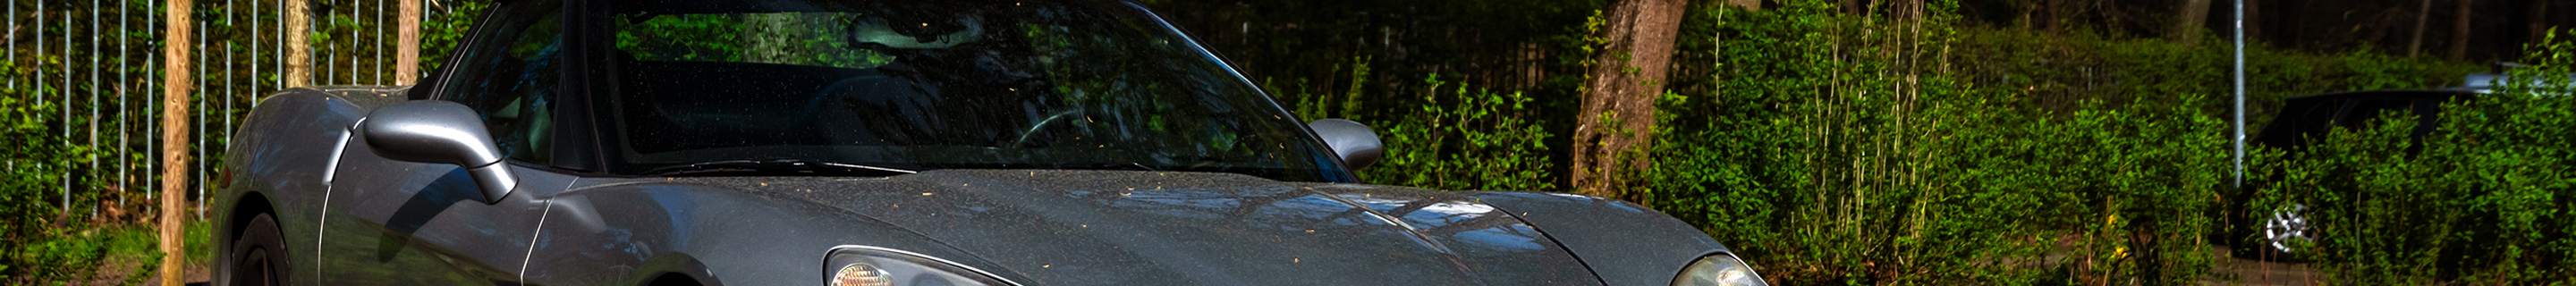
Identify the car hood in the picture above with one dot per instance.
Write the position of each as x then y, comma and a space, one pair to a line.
1060, 227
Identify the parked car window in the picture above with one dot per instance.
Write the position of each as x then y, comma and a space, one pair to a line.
2361, 112
941, 85
509, 77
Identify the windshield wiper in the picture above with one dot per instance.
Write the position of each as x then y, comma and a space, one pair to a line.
780, 166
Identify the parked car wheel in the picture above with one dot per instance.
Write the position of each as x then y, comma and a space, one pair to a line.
2286, 234
259, 256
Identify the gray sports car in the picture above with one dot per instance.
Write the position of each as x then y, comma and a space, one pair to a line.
871, 142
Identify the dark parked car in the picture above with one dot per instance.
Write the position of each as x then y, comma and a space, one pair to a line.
847, 142
2277, 234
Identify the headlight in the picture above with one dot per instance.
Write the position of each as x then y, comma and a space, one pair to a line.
1716, 270
877, 266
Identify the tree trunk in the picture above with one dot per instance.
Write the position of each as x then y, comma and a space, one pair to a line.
2253, 22
2415, 47
174, 142
2539, 21
2054, 15
1756, 5
1615, 129
2460, 33
407, 43
299, 50
2186, 29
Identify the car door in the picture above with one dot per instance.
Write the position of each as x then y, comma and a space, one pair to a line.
390, 222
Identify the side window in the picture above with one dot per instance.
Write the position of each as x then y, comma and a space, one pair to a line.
2361, 112
510, 76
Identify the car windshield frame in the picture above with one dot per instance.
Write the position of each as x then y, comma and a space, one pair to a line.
596, 119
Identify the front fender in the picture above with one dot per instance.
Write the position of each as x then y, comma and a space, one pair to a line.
278, 155
639, 230
1623, 243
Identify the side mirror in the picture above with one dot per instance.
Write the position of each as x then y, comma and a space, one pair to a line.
1357, 145
440, 132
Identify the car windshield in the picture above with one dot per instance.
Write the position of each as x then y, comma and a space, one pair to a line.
933, 85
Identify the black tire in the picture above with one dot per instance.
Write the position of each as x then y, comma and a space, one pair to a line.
258, 258
2264, 231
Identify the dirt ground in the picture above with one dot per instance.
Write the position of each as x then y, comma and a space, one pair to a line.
2240, 271
120, 271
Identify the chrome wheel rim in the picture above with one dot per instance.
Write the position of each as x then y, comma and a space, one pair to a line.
2286, 229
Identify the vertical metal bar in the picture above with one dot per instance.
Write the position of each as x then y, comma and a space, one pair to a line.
379, 71
93, 100
67, 99
67, 75
356, 30
229, 97
2237, 121
357, 27
254, 53
38, 76
383, 67
354, 34
331, 72
13, 57
123, 112
280, 51
198, 172
153, 126
66, 88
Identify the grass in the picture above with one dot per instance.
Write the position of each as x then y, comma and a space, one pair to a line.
124, 253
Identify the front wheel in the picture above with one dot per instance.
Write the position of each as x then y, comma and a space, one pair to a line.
2286, 234
258, 257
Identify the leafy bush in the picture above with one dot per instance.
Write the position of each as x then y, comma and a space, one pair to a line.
1894, 148
2484, 202
1842, 149
39, 240
34, 165
1466, 139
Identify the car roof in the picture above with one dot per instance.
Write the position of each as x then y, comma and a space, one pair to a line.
2488, 82
2379, 94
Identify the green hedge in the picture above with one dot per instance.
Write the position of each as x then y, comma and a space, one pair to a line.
1870, 149
45, 236
2484, 202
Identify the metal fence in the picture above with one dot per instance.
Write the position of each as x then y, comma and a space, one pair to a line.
98, 63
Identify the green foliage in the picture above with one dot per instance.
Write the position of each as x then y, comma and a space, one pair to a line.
40, 241
1877, 149
1828, 148
36, 163
1872, 149
813, 39
2482, 201
445, 29
1855, 149
1298, 47
79, 254
1484, 140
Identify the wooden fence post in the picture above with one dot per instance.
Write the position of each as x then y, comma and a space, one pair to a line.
407, 43
299, 49
174, 110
